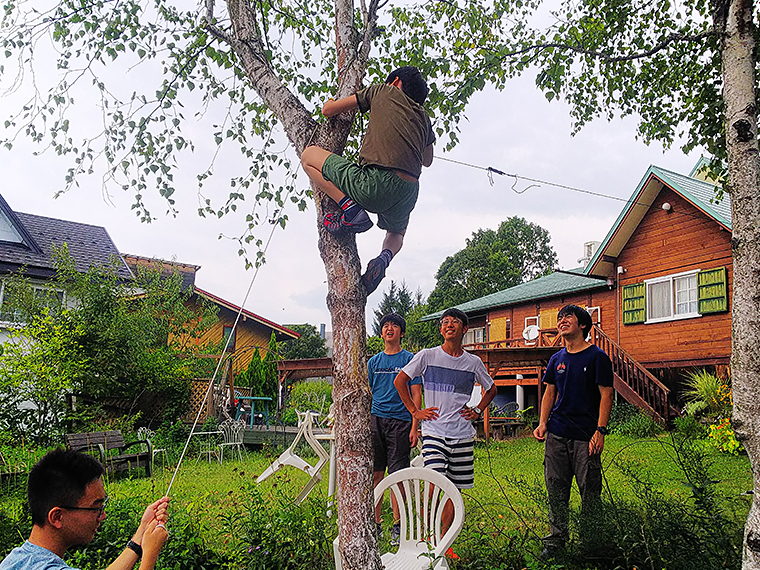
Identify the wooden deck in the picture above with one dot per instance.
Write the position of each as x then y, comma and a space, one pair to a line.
277, 436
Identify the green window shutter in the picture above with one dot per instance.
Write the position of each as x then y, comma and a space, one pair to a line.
634, 304
712, 291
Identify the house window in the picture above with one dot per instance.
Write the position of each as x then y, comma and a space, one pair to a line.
474, 336
672, 297
227, 332
15, 304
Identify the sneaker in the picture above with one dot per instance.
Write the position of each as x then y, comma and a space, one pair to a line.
374, 274
332, 223
358, 224
395, 534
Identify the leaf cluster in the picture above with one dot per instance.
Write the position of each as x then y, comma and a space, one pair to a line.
493, 260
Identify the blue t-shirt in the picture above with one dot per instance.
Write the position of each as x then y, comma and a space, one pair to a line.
29, 556
383, 368
577, 377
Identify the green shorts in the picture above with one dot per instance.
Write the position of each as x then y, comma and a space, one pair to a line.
375, 189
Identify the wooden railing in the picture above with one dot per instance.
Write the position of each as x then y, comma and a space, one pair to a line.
546, 337
632, 381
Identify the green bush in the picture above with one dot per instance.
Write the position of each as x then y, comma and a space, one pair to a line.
691, 427
627, 419
288, 536
702, 386
307, 395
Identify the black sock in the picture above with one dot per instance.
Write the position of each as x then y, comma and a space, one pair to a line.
386, 255
349, 207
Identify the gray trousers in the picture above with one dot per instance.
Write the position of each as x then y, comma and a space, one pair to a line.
563, 458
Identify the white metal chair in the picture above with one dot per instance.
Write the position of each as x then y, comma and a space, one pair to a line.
147, 434
232, 431
421, 495
289, 457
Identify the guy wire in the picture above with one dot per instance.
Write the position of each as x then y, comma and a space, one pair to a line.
491, 171
219, 364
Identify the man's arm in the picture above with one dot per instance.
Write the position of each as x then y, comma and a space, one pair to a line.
427, 155
547, 403
333, 107
402, 386
155, 514
596, 445
488, 395
417, 399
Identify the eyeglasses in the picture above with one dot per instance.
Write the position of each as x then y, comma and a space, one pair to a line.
100, 510
447, 322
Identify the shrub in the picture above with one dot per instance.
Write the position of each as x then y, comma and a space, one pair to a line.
307, 395
722, 436
691, 427
706, 387
288, 536
627, 419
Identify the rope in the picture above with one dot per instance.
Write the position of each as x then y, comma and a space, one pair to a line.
221, 359
537, 183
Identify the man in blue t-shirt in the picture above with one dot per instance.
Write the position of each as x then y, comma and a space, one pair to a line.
575, 410
68, 501
394, 431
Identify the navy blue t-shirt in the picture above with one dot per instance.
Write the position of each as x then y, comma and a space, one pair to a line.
577, 377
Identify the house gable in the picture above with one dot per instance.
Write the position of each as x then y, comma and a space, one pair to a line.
699, 193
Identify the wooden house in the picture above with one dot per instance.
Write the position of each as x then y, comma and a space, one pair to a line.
253, 331
657, 287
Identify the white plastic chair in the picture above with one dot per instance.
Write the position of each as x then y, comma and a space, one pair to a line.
147, 434
233, 437
289, 457
425, 493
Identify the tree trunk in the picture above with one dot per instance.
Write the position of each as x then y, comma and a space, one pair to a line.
734, 18
346, 298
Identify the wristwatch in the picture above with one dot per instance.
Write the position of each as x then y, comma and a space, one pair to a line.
603, 430
477, 410
136, 548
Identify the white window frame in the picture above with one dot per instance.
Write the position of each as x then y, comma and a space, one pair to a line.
670, 279
598, 311
471, 336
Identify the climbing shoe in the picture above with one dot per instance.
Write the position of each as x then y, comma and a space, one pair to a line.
332, 223
374, 274
359, 223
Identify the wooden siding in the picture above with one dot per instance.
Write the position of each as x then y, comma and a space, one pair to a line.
248, 336
667, 243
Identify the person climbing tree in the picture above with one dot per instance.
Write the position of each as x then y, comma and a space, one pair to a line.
398, 143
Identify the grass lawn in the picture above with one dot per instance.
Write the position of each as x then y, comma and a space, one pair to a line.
219, 512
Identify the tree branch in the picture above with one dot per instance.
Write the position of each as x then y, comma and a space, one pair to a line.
672, 38
246, 41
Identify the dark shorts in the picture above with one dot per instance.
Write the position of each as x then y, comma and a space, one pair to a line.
390, 439
377, 190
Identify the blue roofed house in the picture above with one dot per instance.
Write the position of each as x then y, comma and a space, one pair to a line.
657, 287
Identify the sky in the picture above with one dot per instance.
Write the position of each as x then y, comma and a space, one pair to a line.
516, 130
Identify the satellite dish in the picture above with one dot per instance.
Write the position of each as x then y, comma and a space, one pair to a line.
530, 333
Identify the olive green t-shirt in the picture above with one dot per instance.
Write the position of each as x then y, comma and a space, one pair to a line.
398, 132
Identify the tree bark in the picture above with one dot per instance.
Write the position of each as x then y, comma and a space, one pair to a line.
734, 19
346, 298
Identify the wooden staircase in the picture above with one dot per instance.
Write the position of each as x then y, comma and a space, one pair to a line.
634, 382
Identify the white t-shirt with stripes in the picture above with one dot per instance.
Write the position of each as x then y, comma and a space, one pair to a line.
448, 382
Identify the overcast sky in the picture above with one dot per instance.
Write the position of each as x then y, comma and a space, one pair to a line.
515, 130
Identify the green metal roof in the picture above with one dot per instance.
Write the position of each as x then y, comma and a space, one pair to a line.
552, 285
